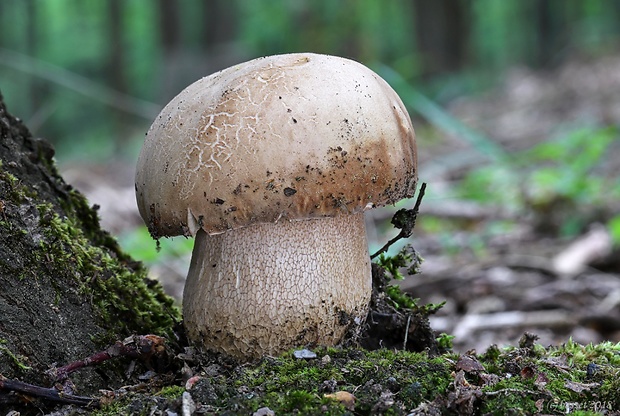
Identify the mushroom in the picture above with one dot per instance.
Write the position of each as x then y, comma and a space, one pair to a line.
271, 164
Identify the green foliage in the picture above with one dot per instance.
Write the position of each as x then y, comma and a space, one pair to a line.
410, 259
554, 176
567, 168
613, 225
392, 265
399, 298
407, 257
328, 27
444, 341
494, 183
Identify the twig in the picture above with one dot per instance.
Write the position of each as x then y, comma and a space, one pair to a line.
404, 219
511, 391
406, 333
138, 346
51, 394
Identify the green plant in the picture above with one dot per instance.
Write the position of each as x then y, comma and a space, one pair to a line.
445, 341
406, 257
561, 183
569, 167
613, 225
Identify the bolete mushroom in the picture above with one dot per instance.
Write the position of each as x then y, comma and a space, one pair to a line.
270, 164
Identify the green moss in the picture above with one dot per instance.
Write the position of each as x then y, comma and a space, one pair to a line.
115, 408
444, 341
16, 192
554, 379
285, 383
515, 381
124, 299
18, 360
9, 178
296, 401
171, 392
603, 353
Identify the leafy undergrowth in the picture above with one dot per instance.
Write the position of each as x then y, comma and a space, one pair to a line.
562, 184
528, 379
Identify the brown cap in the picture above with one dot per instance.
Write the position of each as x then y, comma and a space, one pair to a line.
292, 136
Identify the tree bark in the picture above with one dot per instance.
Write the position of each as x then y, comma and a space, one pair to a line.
66, 289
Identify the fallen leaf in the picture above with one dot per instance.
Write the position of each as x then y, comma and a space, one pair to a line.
344, 397
469, 364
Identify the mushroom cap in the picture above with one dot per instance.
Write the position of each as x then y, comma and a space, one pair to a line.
292, 136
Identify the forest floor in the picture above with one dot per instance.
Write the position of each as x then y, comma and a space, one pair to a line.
555, 272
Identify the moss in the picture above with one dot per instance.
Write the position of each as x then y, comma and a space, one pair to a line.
115, 408
18, 360
278, 383
407, 258
15, 191
88, 220
124, 298
444, 341
515, 381
554, 379
293, 401
171, 392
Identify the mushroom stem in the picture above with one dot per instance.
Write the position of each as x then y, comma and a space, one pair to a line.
271, 287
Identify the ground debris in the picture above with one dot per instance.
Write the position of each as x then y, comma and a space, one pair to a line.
143, 347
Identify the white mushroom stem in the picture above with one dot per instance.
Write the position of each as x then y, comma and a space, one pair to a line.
270, 287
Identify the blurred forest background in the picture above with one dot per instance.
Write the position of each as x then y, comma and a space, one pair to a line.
92, 75
516, 105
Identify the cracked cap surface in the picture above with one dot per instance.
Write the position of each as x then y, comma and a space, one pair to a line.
291, 136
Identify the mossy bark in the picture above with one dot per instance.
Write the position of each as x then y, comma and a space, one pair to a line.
66, 289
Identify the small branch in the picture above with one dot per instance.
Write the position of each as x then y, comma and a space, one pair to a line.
406, 332
404, 219
138, 346
50, 394
512, 391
